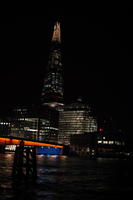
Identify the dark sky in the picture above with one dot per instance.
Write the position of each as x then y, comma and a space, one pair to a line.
97, 58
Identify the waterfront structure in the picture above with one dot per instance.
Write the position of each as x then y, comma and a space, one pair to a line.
35, 123
109, 142
76, 118
10, 144
52, 92
4, 127
98, 143
83, 144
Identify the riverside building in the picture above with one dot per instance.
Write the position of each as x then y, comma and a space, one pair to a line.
76, 118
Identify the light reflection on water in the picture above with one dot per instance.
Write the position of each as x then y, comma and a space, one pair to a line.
63, 178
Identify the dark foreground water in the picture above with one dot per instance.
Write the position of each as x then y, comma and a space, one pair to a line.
67, 178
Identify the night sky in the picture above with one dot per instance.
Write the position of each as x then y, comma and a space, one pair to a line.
97, 58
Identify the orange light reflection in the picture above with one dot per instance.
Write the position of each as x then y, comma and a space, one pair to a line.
27, 143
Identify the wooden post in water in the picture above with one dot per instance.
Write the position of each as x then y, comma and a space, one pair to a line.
30, 162
24, 162
2, 148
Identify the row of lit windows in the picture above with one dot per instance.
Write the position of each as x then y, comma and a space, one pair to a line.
74, 118
4, 123
110, 142
72, 122
79, 125
73, 131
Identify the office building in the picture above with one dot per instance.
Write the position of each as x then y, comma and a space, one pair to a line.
35, 123
76, 118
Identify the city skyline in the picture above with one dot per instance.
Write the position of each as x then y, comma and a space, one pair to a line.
93, 59
66, 103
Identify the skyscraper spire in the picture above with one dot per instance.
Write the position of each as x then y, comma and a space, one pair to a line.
57, 32
52, 92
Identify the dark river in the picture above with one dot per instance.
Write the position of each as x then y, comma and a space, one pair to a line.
68, 178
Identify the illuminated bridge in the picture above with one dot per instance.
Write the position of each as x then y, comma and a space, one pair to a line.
10, 144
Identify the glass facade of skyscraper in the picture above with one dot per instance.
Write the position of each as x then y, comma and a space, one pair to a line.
52, 92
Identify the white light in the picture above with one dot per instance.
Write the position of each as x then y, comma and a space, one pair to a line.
10, 147
105, 142
29, 129
111, 142
99, 141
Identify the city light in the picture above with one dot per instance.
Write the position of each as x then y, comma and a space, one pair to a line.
9, 141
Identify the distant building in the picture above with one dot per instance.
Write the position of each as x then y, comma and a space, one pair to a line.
52, 92
76, 118
98, 144
4, 127
106, 123
83, 144
35, 123
109, 142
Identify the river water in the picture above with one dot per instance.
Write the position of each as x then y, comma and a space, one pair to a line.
69, 178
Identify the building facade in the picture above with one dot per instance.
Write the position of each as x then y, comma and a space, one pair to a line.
76, 118
52, 92
4, 127
106, 144
38, 124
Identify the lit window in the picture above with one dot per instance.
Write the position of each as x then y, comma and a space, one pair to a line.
111, 142
105, 142
117, 143
99, 141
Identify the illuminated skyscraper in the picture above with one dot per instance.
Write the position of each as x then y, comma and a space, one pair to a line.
52, 92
